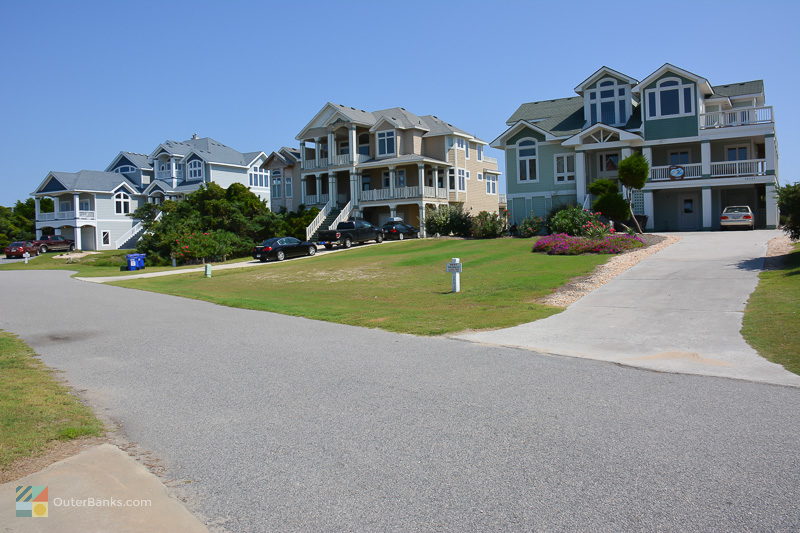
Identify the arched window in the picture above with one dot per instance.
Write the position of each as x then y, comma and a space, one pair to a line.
124, 169
526, 155
670, 98
195, 169
608, 103
122, 203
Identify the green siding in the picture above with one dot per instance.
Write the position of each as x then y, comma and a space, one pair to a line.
525, 132
669, 128
593, 85
546, 163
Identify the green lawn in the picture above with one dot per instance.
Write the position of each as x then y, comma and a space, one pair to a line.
396, 286
772, 317
105, 263
34, 407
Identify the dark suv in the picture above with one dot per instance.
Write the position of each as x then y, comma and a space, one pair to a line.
54, 243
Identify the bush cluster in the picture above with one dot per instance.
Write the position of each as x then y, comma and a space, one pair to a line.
530, 227
563, 244
789, 205
578, 222
487, 225
449, 220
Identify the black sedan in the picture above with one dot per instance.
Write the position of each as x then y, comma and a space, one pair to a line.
399, 230
279, 248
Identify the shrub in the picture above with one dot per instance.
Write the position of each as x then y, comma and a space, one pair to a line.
562, 244
573, 221
449, 219
789, 205
603, 186
208, 246
486, 225
613, 206
530, 227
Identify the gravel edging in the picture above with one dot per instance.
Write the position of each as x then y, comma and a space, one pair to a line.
580, 287
778, 249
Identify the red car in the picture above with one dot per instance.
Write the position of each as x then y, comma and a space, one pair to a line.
54, 243
16, 249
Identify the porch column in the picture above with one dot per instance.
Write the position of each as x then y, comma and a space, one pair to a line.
705, 159
647, 152
77, 237
706, 193
38, 233
319, 187
353, 143
649, 210
303, 189
391, 181
770, 153
331, 147
332, 196
392, 211
37, 207
580, 176
76, 203
772, 206
317, 150
436, 180
421, 179
56, 207
302, 153
354, 188
422, 220
626, 151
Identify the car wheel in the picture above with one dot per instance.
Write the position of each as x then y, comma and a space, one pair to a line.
280, 256
312, 250
348, 243
379, 238
416, 235
71, 247
43, 249
263, 259
328, 246
400, 236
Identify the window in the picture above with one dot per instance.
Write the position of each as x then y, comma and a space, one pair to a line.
65, 206
451, 179
195, 169
480, 176
386, 182
385, 142
670, 98
466, 150
526, 153
106, 236
479, 149
363, 144
462, 179
460, 143
344, 148
565, 168
608, 162
679, 158
288, 186
259, 177
608, 103
366, 183
400, 178
85, 205
736, 153
125, 169
491, 184
276, 186
122, 203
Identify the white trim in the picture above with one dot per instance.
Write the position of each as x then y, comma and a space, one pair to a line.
624, 136
566, 173
667, 67
499, 142
527, 158
601, 72
659, 89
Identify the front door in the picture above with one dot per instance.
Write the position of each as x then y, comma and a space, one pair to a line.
688, 212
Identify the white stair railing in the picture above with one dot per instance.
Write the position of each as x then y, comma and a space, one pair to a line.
344, 215
137, 228
321, 216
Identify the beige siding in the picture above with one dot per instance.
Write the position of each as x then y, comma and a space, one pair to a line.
433, 147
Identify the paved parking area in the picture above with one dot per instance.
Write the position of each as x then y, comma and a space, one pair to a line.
679, 310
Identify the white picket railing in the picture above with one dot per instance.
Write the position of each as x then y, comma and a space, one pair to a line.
340, 159
46, 216
86, 215
661, 173
321, 216
137, 228
748, 167
342, 216
736, 117
503, 199
311, 163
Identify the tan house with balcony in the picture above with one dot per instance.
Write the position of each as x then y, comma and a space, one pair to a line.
709, 146
388, 163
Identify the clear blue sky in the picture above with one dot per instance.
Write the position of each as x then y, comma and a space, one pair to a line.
83, 80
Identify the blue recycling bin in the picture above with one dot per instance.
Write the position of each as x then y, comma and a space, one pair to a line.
140, 260
132, 261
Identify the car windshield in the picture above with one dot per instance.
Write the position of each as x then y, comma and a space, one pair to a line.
346, 225
18, 244
737, 209
269, 242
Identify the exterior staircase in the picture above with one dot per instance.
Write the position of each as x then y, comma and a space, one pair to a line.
326, 223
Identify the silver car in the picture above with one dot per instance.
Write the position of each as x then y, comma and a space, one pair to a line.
736, 216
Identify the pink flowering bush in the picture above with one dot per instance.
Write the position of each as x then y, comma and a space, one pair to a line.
563, 244
577, 221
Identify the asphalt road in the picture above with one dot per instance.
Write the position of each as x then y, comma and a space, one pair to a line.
287, 424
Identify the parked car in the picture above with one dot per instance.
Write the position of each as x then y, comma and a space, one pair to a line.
53, 243
397, 229
737, 216
349, 232
279, 248
16, 249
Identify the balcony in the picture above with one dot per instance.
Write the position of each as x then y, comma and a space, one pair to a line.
719, 169
401, 193
311, 164
736, 117
66, 215
316, 199
166, 175
489, 160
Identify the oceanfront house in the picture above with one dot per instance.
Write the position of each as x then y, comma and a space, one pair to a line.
92, 206
709, 146
390, 163
283, 169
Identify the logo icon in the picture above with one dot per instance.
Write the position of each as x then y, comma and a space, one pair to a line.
676, 172
32, 501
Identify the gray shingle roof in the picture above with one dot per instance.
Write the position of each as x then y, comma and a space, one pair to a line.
562, 116
92, 180
210, 150
737, 89
140, 160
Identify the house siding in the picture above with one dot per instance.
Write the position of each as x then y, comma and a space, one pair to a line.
668, 128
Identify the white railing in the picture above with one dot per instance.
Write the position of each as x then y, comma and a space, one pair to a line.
399, 193
375, 194
661, 173
66, 215
46, 216
340, 159
316, 199
321, 216
166, 175
312, 163
362, 158
748, 167
736, 117
86, 214
136, 229
342, 216
435, 192
503, 199
487, 159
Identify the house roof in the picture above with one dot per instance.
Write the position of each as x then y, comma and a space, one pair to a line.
561, 117
89, 180
738, 89
602, 72
210, 150
140, 160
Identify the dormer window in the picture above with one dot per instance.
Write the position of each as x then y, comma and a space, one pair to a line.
195, 169
608, 102
386, 142
125, 169
670, 98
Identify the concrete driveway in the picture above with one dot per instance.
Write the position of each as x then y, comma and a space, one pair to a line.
277, 423
679, 310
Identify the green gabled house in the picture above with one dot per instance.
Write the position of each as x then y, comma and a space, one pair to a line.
708, 146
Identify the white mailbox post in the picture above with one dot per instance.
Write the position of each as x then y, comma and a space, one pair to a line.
208, 270
454, 267
26, 255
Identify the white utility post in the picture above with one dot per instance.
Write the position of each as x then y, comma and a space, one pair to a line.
455, 267
26, 255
